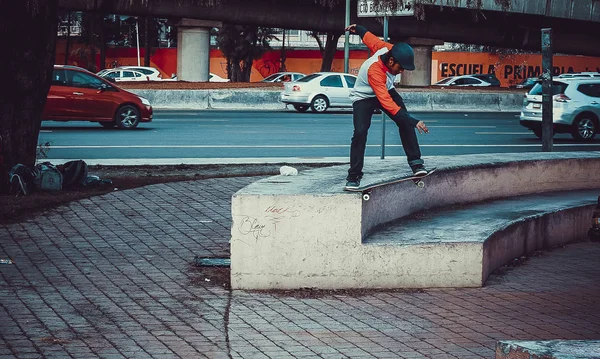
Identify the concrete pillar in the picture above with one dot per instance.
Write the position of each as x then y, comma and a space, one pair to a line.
421, 75
193, 49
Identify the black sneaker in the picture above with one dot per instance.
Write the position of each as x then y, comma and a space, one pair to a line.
352, 183
419, 170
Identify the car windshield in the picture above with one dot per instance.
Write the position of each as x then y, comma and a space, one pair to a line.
444, 81
272, 77
491, 78
308, 78
144, 71
557, 88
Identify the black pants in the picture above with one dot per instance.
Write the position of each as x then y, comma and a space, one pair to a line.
362, 114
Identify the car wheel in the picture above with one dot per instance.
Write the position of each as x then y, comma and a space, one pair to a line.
127, 117
301, 108
319, 103
109, 124
584, 128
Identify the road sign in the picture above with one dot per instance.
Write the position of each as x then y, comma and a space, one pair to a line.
367, 8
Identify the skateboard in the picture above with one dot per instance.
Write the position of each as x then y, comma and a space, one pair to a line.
366, 189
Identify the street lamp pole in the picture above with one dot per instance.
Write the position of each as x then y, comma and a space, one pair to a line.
383, 115
347, 39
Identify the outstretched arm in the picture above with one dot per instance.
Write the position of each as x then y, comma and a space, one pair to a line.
372, 41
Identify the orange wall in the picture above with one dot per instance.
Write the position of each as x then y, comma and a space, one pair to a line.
165, 60
508, 68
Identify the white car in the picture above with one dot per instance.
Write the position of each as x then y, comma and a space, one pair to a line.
579, 75
152, 73
283, 77
464, 80
215, 78
319, 91
575, 107
122, 75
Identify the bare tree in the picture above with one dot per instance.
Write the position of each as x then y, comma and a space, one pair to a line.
241, 45
328, 49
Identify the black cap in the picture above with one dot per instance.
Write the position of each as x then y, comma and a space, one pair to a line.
404, 55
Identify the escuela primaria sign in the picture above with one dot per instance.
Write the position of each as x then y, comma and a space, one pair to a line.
367, 8
509, 69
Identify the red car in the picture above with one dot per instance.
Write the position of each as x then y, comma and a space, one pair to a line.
79, 95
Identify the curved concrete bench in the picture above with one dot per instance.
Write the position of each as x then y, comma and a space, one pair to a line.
304, 231
485, 235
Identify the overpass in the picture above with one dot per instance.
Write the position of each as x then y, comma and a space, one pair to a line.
515, 24
576, 23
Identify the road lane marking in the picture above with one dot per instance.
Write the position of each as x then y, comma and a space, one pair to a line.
313, 146
450, 126
504, 133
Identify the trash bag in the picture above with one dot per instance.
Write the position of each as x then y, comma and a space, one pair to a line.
288, 171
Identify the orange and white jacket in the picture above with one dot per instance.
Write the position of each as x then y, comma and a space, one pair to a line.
374, 79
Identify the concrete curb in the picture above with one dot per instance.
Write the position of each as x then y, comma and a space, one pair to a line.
232, 99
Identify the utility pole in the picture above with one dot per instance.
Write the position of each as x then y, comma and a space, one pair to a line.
383, 115
347, 39
547, 119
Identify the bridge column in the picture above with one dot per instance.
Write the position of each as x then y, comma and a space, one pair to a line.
421, 75
193, 49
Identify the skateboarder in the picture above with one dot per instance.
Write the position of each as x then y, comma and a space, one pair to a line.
374, 89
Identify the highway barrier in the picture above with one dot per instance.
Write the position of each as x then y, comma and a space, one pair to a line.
456, 101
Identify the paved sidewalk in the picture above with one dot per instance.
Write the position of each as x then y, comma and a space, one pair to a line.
111, 277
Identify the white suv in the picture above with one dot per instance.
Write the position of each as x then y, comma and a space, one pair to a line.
569, 75
575, 108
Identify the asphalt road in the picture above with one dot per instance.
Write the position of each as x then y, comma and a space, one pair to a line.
212, 135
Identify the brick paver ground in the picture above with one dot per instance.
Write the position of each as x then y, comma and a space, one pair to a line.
112, 277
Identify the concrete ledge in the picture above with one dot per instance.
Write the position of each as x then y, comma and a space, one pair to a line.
488, 234
175, 99
270, 99
304, 231
452, 101
550, 349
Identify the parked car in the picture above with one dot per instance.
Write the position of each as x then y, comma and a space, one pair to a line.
579, 75
319, 91
122, 75
491, 78
575, 108
79, 95
152, 73
527, 84
283, 77
463, 80
215, 78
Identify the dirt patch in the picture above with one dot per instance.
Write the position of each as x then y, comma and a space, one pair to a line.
14, 209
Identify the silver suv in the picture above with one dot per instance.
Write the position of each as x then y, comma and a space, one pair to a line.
575, 108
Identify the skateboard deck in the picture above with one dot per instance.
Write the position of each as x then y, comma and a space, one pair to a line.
366, 189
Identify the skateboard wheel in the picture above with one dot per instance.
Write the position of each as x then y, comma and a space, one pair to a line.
421, 184
366, 196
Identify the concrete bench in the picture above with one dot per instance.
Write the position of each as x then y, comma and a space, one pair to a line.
304, 231
548, 349
487, 235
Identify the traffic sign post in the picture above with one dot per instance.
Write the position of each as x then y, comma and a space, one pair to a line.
367, 8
